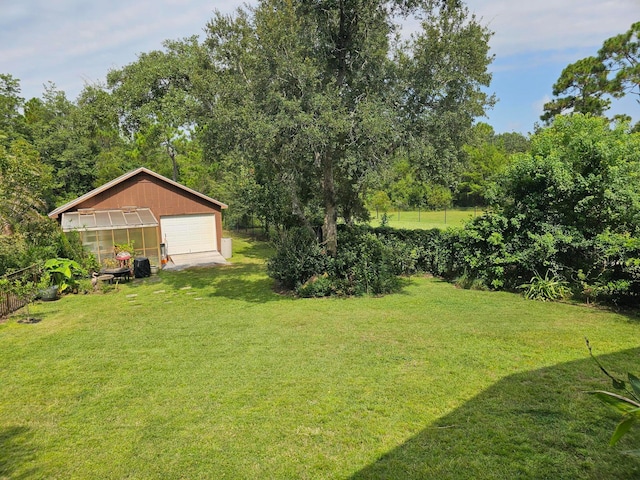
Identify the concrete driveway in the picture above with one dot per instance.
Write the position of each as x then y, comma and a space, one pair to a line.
200, 259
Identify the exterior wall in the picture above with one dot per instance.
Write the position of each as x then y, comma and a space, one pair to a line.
144, 190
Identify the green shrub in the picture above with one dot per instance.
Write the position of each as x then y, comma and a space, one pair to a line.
298, 257
487, 250
610, 271
12, 253
569, 206
21, 250
64, 273
470, 283
316, 286
363, 264
507, 253
491, 251
70, 246
417, 251
545, 288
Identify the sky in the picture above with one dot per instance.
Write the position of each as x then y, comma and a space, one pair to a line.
72, 43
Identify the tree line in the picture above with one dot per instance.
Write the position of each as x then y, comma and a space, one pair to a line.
295, 112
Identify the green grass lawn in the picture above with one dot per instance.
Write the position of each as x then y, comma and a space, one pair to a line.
426, 219
210, 374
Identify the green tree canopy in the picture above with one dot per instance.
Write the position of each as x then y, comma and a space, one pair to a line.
584, 83
62, 135
581, 174
316, 95
156, 108
584, 86
12, 124
567, 211
25, 184
487, 156
621, 56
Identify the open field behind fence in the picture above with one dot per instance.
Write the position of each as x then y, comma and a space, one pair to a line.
426, 219
411, 219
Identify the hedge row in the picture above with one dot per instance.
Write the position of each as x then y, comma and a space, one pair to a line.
490, 252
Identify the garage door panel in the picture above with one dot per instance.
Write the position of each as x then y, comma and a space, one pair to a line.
189, 233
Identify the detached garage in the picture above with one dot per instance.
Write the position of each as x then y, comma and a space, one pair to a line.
189, 233
148, 210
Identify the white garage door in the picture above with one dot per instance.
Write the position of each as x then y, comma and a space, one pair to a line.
189, 233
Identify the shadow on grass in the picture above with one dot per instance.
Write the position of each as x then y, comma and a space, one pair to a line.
256, 248
255, 290
539, 424
238, 281
16, 450
241, 281
36, 315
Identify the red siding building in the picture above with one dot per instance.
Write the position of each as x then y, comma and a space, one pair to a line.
148, 210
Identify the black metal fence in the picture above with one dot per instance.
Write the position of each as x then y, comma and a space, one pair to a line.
10, 302
248, 224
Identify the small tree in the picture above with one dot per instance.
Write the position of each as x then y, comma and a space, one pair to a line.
380, 201
26, 291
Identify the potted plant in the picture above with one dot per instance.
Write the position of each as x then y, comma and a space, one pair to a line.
63, 273
46, 291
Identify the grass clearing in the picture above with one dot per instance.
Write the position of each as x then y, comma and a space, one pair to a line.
426, 219
210, 374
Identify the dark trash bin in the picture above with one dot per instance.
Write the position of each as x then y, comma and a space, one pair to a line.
141, 267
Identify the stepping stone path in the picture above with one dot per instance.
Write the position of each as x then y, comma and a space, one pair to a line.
132, 296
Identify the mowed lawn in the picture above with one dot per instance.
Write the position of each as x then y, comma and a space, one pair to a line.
210, 374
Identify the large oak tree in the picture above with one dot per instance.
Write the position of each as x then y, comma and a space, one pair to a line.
155, 105
314, 94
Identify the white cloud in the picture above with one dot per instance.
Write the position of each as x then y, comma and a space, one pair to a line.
73, 42
546, 25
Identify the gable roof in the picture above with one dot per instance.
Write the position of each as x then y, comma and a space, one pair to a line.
55, 213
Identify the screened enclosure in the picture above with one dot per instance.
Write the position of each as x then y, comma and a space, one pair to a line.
100, 230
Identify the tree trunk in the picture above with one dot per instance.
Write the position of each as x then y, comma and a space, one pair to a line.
330, 230
175, 169
171, 151
330, 226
